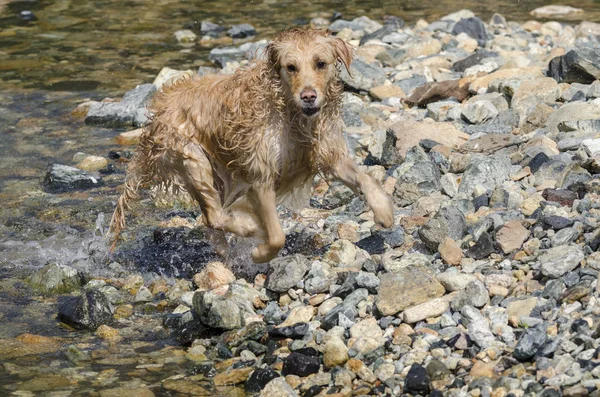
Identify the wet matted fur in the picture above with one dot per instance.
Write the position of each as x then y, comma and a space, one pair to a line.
241, 144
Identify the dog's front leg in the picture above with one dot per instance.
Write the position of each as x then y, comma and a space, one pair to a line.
265, 204
347, 171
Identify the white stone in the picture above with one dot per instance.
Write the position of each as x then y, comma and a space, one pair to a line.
433, 308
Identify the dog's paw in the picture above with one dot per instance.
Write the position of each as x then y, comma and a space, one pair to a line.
263, 253
383, 214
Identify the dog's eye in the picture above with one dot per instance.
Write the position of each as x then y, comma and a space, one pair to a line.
291, 68
321, 65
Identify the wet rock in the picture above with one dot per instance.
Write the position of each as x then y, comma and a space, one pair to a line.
88, 311
364, 76
417, 380
278, 388
214, 275
408, 287
559, 260
473, 27
580, 65
286, 272
300, 365
216, 311
259, 379
129, 112
185, 36
530, 342
57, 279
241, 31
555, 11
295, 331
62, 178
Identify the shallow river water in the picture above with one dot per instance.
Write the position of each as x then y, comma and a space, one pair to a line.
81, 50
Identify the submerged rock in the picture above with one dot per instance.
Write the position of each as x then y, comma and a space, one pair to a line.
131, 111
57, 278
63, 178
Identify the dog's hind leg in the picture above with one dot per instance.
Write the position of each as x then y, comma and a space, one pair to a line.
347, 171
197, 174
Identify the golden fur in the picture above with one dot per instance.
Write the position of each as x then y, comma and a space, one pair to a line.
240, 144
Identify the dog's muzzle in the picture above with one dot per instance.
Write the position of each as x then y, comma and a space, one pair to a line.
309, 99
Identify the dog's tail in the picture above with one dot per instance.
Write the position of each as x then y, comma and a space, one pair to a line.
137, 176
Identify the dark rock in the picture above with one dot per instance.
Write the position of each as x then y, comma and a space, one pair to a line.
253, 331
204, 368
62, 178
296, 331
347, 286
364, 76
539, 160
482, 248
373, 244
557, 222
286, 272
581, 326
530, 342
300, 365
272, 313
481, 201
472, 60
561, 196
259, 379
88, 311
241, 31
417, 380
580, 65
473, 27
130, 111
392, 237
27, 16
178, 252
189, 331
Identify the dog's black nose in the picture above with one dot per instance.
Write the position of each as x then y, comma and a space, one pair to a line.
308, 96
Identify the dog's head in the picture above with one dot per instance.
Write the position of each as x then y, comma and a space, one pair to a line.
308, 61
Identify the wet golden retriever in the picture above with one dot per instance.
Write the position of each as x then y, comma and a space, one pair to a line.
240, 144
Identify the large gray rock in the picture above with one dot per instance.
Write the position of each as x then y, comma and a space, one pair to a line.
131, 111
408, 287
416, 179
448, 222
56, 278
286, 272
320, 277
559, 260
364, 76
485, 171
479, 112
216, 311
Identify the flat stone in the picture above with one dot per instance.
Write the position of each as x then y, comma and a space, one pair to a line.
214, 275
63, 178
433, 308
511, 236
556, 11
559, 260
455, 281
479, 112
532, 92
408, 287
382, 92
521, 307
410, 133
450, 251
480, 84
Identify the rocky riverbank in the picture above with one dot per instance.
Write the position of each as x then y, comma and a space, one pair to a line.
486, 134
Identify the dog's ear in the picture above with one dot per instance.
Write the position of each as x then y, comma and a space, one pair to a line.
344, 52
272, 53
